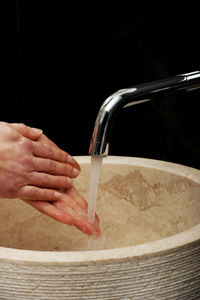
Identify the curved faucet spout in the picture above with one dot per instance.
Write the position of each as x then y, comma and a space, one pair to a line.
99, 145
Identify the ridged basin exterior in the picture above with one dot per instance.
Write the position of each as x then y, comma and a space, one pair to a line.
165, 268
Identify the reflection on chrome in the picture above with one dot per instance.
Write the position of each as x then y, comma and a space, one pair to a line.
99, 145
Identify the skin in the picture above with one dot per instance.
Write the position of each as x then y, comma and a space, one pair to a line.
37, 171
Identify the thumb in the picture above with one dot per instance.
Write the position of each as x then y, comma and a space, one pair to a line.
26, 131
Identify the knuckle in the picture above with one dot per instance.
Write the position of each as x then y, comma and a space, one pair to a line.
44, 180
68, 169
45, 194
30, 193
22, 128
51, 152
22, 125
12, 190
26, 144
60, 182
49, 195
51, 165
48, 151
31, 177
34, 193
27, 161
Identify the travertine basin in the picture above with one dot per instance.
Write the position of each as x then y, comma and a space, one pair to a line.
150, 219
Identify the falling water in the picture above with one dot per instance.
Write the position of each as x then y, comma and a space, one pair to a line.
96, 162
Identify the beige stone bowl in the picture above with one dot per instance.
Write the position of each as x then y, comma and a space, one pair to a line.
150, 219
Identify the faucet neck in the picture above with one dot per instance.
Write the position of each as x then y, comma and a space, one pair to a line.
99, 145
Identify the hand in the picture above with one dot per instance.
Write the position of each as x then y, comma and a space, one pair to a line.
30, 168
70, 209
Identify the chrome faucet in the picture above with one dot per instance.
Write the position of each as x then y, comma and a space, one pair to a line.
99, 145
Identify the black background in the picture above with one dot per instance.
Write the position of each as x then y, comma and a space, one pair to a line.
63, 59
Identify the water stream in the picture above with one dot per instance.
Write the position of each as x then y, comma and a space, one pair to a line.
96, 163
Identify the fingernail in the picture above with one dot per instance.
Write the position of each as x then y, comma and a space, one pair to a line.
69, 181
70, 160
75, 172
37, 130
57, 195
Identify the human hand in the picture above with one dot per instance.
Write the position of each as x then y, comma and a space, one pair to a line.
30, 168
71, 209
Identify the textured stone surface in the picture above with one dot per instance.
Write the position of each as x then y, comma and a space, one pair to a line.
157, 258
174, 275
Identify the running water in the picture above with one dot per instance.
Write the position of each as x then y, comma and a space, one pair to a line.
96, 162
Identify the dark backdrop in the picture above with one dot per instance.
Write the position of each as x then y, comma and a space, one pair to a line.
64, 58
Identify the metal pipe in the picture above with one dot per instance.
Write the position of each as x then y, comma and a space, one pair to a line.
99, 145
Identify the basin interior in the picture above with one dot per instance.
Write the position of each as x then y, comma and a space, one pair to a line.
137, 203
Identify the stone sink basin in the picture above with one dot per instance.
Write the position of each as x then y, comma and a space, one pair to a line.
150, 249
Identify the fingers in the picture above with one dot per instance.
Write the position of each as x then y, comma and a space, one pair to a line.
45, 147
44, 139
74, 194
26, 131
66, 217
73, 162
76, 206
52, 171
70, 205
87, 227
63, 208
44, 180
51, 211
54, 167
47, 151
35, 193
